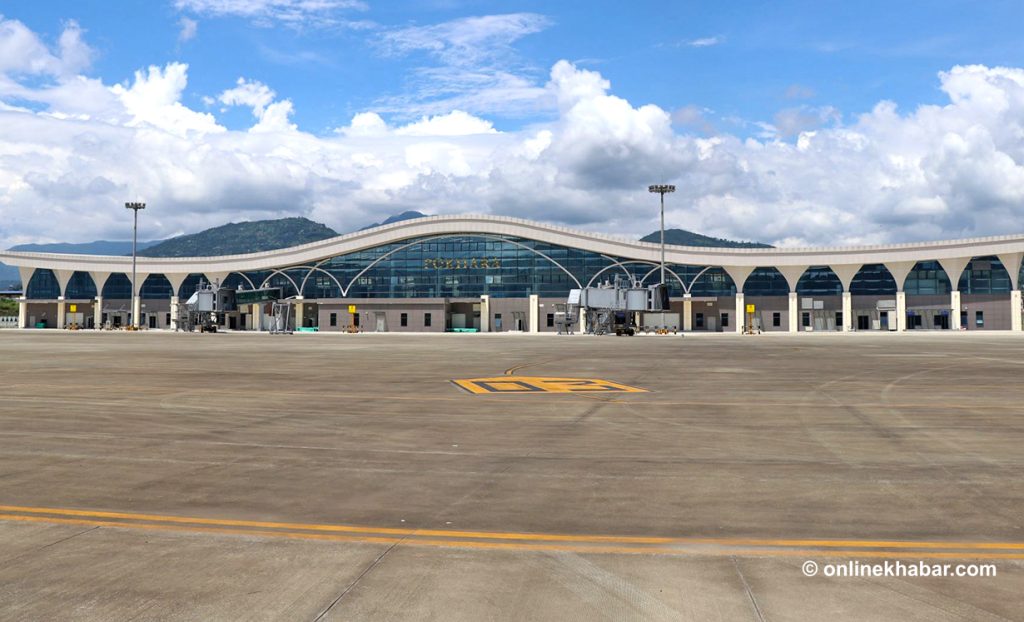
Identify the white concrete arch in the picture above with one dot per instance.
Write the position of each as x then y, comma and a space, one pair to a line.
317, 268
244, 276
612, 266
621, 264
310, 254
667, 269
285, 275
697, 276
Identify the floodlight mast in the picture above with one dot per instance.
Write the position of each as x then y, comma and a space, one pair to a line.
662, 189
136, 309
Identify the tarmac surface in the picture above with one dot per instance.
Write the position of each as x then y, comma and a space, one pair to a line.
158, 476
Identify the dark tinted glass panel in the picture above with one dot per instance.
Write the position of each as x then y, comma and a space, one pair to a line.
873, 279
985, 275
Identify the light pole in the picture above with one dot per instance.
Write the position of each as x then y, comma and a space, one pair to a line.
135, 207
662, 189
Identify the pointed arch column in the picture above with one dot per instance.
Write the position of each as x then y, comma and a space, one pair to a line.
218, 277
687, 311
846, 272
22, 312
739, 275
63, 278
137, 298
1012, 262
300, 311
793, 274
953, 268
899, 271
533, 320
176, 281
99, 279
485, 313
25, 272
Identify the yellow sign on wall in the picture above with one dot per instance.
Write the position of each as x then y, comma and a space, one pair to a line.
750, 308
73, 308
351, 308
534, 384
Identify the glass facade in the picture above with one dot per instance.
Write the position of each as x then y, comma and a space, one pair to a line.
819, 281
985, 275
873, 279
117, 287
714, 282
459, 266
927, 278
80, 287
473, 265
43, 285
766, 282
156, 287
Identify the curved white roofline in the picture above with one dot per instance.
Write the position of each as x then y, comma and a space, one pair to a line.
505, 226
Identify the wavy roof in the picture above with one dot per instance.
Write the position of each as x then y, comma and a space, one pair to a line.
1009, 246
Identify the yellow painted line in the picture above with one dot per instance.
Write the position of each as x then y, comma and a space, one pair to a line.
869, 544
516, 536
512, 370
542, 384
853, 554
512, 546
192, 528
336, 528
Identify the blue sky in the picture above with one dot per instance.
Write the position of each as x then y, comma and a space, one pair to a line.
795, 123
741, 61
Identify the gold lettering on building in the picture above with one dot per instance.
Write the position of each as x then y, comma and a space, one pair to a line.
463, 263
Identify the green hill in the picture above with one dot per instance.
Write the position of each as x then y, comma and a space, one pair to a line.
409, 215
243, 237
682, 237
99, 247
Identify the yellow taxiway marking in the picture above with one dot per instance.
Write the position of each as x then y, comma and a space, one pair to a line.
543, 384
521, 541
518, 546
512, 370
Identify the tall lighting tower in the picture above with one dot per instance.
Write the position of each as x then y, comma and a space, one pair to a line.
662, 189
136, 308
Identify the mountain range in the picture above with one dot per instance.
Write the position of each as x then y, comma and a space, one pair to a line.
682, 237
265, 235
242, 237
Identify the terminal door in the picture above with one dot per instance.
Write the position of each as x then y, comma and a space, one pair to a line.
519, 320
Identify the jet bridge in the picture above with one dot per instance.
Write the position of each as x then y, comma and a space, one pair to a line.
613, 306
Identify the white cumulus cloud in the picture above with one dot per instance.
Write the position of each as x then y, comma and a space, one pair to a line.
271, 116
254, 94
74, 149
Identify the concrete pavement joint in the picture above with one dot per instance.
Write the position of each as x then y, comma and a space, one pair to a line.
355, 581
746, 588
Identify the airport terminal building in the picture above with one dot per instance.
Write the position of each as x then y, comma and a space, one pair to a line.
496, 274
